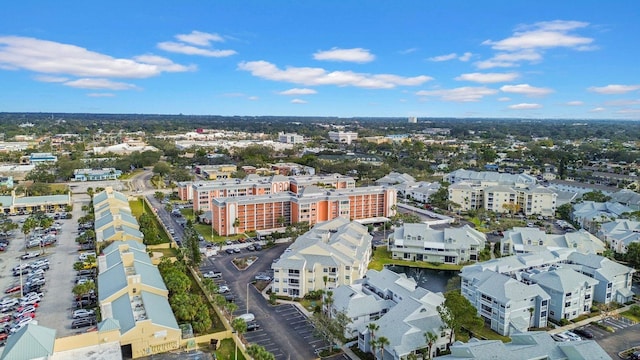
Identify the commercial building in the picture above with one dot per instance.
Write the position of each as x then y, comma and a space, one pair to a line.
40, 158
96, 174
290, 138
133, 297
216, 172
419, 242
533, 345
345, 137
113, 218
521, 240
331, 254
402, 310
21, 205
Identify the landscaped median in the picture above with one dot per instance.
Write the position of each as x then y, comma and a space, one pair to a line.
382, 257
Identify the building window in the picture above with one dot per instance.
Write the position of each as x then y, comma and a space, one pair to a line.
544, 302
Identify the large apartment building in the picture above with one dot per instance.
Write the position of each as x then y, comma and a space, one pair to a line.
521, 240
518, 292
503, 193
331, 254
419, 242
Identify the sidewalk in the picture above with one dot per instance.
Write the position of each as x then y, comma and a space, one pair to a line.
586, 321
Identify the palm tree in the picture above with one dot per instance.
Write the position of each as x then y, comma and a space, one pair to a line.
382, 341
431, 339
531, 310
373, 327
328, 300
240, 326
231, 307
373, 343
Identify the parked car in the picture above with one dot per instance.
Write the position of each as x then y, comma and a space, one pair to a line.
251, 248
24, 310
223, 289
5, 319
247, 317
229, 251
13, 289
572, 336
30, 255
82, 313
252, 325
83, 322
258, 247
584, 333
236, 250
212, 274
263, 277
19, 325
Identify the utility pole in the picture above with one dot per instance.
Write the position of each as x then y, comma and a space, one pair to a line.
248, 298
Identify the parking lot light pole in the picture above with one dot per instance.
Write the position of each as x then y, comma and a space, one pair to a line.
248, 298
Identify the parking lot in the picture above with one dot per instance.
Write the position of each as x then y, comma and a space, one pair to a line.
283, 329
55, 308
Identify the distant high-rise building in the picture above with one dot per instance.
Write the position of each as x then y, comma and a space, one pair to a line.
413, 119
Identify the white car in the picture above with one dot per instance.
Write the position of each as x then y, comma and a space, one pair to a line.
82, 313
263, 277
223, 289
20, 324
212, 274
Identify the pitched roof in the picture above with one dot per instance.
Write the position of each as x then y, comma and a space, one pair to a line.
31, 342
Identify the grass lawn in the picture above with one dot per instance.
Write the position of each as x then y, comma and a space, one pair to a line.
138, 207
630, 315
129, 175
226, 350
381, 257
59, 188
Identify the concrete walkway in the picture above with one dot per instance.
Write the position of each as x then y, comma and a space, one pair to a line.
587, 321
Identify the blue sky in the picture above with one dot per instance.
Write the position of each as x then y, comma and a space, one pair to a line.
530, 59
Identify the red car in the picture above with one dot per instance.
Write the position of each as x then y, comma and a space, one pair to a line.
5, 319
13, 289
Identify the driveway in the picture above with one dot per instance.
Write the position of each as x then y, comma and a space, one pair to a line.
283, 331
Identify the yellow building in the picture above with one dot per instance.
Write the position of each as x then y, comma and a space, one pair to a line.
215, 172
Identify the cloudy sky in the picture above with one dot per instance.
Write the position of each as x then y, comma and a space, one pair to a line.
451, 58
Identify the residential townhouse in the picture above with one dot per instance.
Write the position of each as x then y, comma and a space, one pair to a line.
619, 234
463, 175
614, 279
590, 214
419, 242
331, 254
403, 311
571, 293
504, 303
521, 240
628, 198
532, 345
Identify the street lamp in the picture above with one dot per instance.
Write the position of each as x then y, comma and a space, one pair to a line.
248, 298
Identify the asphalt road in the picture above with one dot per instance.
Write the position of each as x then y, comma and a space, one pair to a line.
280, 337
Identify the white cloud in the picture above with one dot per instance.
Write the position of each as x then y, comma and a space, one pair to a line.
488, 77
628, 111
50, 79
529, 41
298, 101
622, 102
509, 59
525, 106
253, 98
443, 57
598, 109
526, 89
575, 103
504, 99
319, 76
614, 89
461, 94
541, 35
181, 48
298, 91
465, 57
357, 55
49, 57
93, 83
101, 95
408, 51
199, 38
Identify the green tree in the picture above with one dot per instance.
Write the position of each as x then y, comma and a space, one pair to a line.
596, 196
258, 352
159, 195
240, 327
633, 254
457, 312
162, 169
382, 342
430, 337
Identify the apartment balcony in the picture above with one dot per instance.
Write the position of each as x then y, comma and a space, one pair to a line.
293, 275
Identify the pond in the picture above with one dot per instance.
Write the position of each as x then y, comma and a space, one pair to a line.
432, 280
